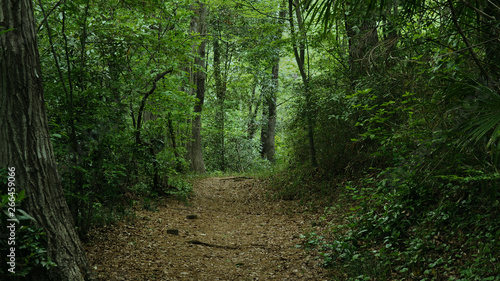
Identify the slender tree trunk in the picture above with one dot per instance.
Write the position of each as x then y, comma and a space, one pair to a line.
220, 91
299, 39
74, 146
252, 113
170, 125
141, 118
26, 146
271, 126
269, 135
268, 132
195, 153
265, 121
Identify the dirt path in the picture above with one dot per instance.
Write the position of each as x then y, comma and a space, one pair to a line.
237, 235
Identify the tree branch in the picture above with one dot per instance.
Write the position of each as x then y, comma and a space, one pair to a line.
45, 17
454, 18
258, 11
143, 103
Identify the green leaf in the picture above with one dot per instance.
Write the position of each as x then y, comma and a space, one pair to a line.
25, 216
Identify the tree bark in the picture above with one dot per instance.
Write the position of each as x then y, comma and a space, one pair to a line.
268, 132
361, 41
26, 146
252, 125
195, 153
220, 92
170, 125
272, 115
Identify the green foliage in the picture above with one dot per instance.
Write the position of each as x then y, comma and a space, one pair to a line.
311, 187
413, 141
401, 102
180, 188
409, 220
485, 114
108, 215
409, 216
101, 63
242, 154
101, 59
30, 240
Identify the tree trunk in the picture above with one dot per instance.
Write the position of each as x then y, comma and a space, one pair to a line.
269, 127
363, 37
268, 138
220, 92
195, 154
170, 125
25, 140
264, 127
299, 40
252, 113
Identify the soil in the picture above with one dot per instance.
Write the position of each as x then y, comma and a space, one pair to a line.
228, 231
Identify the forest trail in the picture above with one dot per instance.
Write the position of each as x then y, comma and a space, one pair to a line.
237, 235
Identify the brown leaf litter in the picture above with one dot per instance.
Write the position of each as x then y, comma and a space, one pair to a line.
229, 231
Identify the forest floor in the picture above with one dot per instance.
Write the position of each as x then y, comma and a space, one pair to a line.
229, 231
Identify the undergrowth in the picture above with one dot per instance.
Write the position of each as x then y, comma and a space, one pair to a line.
426, 211
383, 227
23, 248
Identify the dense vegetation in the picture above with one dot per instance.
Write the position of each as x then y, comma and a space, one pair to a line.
406, 117
389, 111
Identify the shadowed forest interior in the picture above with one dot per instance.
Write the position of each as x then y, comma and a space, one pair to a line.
327, 139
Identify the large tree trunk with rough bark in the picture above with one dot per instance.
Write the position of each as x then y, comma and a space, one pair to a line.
25, 142
195, 152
